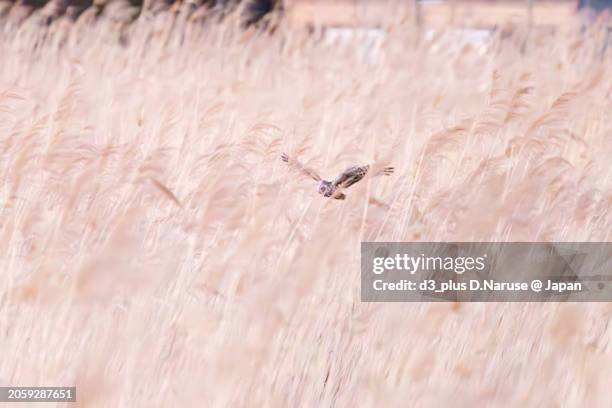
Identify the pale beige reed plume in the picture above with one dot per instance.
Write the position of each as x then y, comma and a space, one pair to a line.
156, 252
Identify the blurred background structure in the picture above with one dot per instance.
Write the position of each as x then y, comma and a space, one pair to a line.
474, 13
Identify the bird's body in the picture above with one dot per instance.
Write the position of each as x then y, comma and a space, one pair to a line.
333, 189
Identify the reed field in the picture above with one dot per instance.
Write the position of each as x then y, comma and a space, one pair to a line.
156, 251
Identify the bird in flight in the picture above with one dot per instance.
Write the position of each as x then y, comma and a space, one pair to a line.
333, 189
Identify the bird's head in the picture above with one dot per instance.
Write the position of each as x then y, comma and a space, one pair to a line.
325, 188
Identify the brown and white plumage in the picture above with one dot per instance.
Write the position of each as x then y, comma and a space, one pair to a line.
346, 179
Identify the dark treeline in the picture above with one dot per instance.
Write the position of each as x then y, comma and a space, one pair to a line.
253, 11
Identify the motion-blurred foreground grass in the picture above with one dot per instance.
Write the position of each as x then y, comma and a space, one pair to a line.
156, 252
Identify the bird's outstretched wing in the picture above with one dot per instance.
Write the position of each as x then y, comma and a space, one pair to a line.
353, 174
296, 164
350, 176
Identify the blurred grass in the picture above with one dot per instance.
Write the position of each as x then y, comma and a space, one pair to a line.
156, 251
